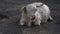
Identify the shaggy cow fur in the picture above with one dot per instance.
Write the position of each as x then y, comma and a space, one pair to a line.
35, 13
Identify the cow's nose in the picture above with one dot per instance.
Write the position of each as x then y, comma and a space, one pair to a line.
33, 17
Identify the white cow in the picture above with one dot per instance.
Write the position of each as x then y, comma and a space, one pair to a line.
35, 13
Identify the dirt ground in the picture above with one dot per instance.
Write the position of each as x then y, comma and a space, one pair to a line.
10, 9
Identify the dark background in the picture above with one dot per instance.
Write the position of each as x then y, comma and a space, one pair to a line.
10, 9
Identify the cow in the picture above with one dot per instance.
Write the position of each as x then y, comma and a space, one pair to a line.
35, 13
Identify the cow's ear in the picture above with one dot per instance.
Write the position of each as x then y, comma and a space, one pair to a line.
24, 9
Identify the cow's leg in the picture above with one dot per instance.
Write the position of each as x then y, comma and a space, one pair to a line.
37, 18
29, 24
37, 22
21, 22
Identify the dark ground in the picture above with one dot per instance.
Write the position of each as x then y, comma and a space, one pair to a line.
11, 9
